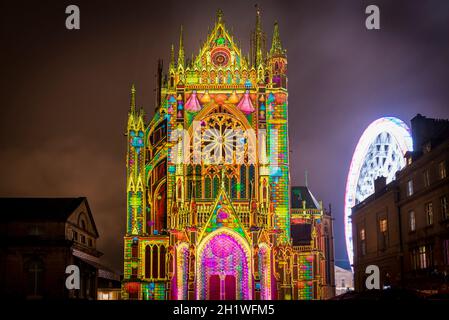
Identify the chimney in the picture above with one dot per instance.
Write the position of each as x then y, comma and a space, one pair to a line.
380, 183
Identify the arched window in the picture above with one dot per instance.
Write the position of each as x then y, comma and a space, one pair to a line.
227, 185
135, 248
147, 261
82, 221
264, 191
234, 188
198, 191
154, 262
207, 188
216, 187
162, 254
242, 182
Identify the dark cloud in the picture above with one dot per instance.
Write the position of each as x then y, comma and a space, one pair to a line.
65, 93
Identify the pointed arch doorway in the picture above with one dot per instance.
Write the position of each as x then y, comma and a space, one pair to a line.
223, 267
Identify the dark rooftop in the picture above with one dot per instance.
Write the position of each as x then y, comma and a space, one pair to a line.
303, 193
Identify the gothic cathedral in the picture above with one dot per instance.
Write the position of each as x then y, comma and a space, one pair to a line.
209, 212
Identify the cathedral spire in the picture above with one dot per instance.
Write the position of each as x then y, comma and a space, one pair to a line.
133, 99
181, 50
276, 45
172, 57
258, 39
220, 16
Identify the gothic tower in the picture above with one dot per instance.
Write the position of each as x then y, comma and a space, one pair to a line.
208, 185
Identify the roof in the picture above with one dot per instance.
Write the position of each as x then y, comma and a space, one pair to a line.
54, 209
303, 193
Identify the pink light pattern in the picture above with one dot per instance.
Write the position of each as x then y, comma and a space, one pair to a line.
224, 255
245, 104
193, 104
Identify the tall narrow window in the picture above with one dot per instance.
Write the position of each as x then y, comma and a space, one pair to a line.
198, 177
362, 242
134, 249
162, 257
154, 262
426, 178
442, 169
423, 263
412, 220
242, 182
383, 228
446, 251
147, 261
383, 225
216, 187
422, 257
414, 258
429, 213
207, 188
410, 188
444, 208
234, 188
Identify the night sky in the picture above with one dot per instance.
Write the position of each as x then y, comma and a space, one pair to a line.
65, 93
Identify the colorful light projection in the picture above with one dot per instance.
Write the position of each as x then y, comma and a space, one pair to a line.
379, 152
193, 104
223, 267
182, 267
265, 271
153, 291
245, 104
279, 163
213, 214
305, 283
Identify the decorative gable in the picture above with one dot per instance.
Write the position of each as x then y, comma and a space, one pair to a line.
223, 215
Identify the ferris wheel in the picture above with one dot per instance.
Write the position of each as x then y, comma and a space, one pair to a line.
379, 152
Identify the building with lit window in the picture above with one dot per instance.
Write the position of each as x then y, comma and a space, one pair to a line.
404, 226
208, 185
40, 237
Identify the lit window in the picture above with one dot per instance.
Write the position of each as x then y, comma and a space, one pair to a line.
442, 169
444, 208
429, 213
412, 220
426, 178
422, 257
410, 188
362, 234
362, 242
383, 225
383, 228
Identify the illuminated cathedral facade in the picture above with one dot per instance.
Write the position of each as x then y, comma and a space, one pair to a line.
209, 208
